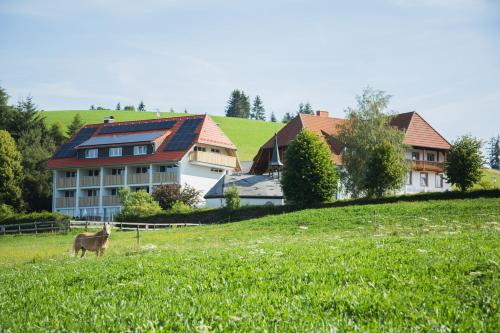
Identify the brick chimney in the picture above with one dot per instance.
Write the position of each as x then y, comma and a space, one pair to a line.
322, 113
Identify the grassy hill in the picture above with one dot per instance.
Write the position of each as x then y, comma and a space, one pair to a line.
248, 135
426, 266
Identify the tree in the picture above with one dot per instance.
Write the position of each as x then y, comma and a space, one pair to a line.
273, 117
238, 105
129, 108
185, 110
7, 114
11, 172
309, 175
305, 108
101, 108
118, 106
57, 133
168, 194
232, 198
287, 117
366, 127
493, 150
138, 204
464, 162
75, 125
258, 111
141, 107
92, 107
172, 110
386, 171
36, 149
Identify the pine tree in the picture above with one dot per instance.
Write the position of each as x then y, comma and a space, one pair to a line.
494, 153
305, 108
273, 117
75, 125
309, 176
172, 110
141, 107
287, 117
258, 111
118, 107
11, 172
92, 107
57, 133
185, 110
238, 105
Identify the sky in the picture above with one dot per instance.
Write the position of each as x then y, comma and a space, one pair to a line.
440, 58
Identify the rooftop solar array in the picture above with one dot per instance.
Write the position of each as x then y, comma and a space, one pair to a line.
121, 138
68, 149
151, 126
184, 136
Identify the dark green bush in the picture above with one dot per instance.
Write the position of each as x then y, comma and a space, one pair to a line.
43, 216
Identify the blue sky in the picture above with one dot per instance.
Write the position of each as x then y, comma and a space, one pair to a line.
440, 58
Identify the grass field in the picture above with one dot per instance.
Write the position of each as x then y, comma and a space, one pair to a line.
427, 266
488, 175
248, 135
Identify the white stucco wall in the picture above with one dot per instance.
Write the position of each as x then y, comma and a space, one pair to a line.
217, 203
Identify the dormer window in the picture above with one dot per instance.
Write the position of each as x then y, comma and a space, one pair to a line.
140, 150
91, 153
115, 151
197, 148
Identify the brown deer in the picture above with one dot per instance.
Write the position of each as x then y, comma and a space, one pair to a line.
96, 242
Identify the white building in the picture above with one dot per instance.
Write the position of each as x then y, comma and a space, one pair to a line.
99, 160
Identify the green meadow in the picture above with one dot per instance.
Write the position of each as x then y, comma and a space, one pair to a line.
424, 266
248, 135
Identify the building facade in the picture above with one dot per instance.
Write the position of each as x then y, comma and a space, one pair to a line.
99, 160
426, 152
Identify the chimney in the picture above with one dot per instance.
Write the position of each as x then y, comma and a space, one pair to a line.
109, 120
322, 113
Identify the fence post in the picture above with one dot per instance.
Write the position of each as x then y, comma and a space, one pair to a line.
19, 226
86, 225
52, 227
36, 229
138, 236
121, 226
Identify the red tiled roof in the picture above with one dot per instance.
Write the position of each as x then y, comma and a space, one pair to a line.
418, 132
208, 132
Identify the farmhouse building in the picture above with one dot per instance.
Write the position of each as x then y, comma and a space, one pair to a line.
99, 160
427, 148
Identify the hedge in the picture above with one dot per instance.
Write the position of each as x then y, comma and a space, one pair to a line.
35, 217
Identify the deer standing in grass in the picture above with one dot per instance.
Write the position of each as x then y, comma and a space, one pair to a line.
96, 242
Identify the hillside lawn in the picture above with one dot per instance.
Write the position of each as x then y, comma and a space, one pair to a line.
422, 266
248, 135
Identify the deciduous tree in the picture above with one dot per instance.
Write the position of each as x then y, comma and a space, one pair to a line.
11, 172
464, 162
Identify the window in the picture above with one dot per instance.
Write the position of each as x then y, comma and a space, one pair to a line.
93, 173
424, 179
118, 171
91, 153
166, 168
141, 170
431, 157
415, 156
200, 148
140, 150
216, 170
114, 191
408, 178
92, 193
116, 151
214, 150
70, 174
69, 194
439, 180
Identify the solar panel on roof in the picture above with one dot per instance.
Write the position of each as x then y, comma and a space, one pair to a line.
184, 136
68, 149
149, 126
121, 138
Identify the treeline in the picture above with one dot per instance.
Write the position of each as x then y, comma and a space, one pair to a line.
26, 144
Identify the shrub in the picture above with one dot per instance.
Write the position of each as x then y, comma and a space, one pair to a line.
42, 216
168, 194
6, 211
464, 164
232, 197
137, 205
309, 175
485, 184
179, 207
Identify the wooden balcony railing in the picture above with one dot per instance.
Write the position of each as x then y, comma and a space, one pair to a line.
65, 202
65, 182
164, 177
138, 178
89, 201
113, 180
213, 159
420, 165
86, 181
111, 200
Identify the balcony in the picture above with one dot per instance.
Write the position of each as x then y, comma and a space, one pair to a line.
89, 201
138, 178
111, 200
419, 165
212, 159
87, 181
113, 180
164, 177
65, 182
65, 202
